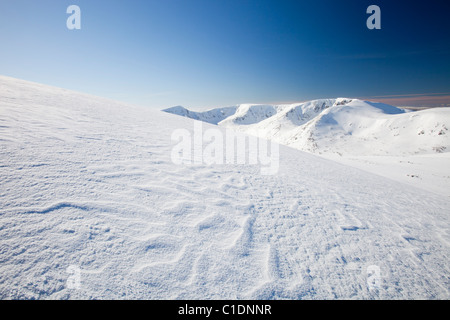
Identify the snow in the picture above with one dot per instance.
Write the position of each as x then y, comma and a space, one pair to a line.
93, 207
409, 147
211, 116
248, 114
429, 172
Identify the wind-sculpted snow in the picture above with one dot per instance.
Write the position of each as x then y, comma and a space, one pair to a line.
93, 207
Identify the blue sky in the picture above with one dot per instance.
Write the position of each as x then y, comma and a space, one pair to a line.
210, 53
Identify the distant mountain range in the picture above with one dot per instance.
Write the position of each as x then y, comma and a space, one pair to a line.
341, 126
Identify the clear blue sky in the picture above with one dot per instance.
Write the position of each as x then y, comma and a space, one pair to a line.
210, 53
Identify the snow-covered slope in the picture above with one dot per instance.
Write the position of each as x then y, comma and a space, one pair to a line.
281, 121
367, 128
213, 116
247, 114
93, 207
352, 131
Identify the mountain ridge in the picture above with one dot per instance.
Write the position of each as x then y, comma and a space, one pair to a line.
337, 126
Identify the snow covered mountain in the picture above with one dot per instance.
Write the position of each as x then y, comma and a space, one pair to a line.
373, 136
341, 126
296, 114
92, 206
211, 116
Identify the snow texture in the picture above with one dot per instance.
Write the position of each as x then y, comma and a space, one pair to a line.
92, 207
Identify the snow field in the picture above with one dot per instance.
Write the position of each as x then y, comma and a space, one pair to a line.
89, 184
